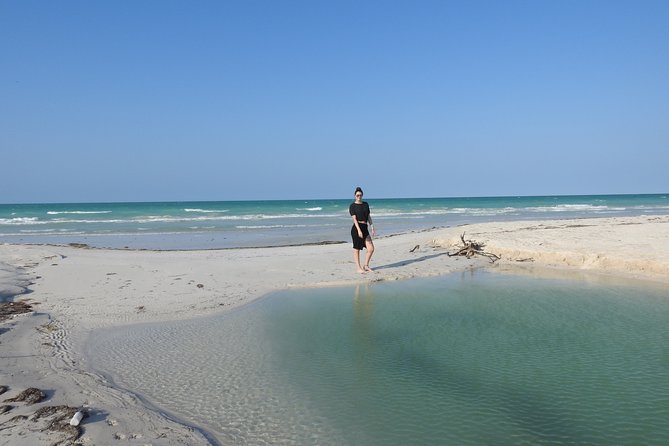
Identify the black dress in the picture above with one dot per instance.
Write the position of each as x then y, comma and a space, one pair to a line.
361, 212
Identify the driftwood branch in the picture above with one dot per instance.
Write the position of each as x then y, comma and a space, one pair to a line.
470, 248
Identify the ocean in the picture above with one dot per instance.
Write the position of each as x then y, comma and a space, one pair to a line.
233, 224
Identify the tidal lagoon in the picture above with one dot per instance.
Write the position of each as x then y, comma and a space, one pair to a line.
470, 358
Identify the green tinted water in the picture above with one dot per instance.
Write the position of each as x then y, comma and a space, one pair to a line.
481, 359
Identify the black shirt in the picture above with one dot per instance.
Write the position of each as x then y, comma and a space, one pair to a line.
361, 211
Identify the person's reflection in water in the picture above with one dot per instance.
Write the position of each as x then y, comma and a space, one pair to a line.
363, 333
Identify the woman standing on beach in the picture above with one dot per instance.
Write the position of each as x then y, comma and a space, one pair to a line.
362, 221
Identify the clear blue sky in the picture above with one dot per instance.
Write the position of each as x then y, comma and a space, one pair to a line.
221, 100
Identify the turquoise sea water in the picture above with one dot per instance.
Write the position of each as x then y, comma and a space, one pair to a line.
470, 359
226, 224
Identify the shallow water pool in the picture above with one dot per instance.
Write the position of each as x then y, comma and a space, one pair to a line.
475, 358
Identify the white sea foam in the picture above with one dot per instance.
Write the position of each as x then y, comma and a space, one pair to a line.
246, 217
161, 219
77, 212
70, 220
271, 226
41, 231
207, 211
168, 219
477, 211
48, 232
310, 209
21, 221
572, 208
537, 209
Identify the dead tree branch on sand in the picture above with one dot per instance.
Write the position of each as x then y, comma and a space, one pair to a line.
471, 248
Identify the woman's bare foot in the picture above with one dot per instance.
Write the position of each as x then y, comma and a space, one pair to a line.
367, 268
360, 271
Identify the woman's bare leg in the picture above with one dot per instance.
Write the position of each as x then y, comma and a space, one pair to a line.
356, 259
370, 250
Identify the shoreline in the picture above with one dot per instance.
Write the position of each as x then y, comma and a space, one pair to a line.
75, 291
248, 224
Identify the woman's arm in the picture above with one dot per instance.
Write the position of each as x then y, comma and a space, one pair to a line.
371, 225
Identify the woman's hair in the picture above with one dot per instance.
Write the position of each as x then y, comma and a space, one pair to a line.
358, 189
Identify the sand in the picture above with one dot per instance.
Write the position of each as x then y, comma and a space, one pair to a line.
75, 290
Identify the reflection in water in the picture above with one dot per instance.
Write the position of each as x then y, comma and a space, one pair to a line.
363, 332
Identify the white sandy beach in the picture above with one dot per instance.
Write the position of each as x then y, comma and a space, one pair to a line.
77, 290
